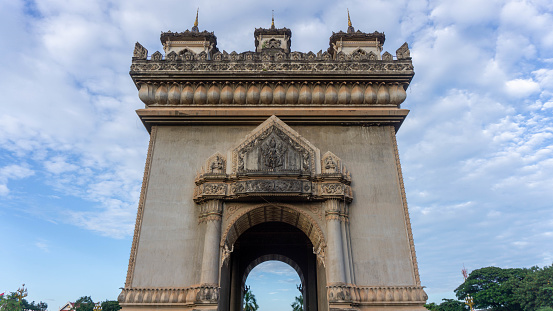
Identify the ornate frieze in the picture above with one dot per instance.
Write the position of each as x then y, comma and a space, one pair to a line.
376, 295
269, 62
169, 296
270, 56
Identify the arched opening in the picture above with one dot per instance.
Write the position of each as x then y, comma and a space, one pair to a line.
272, 233
274, 282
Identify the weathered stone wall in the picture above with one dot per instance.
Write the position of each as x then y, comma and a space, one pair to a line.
171, 239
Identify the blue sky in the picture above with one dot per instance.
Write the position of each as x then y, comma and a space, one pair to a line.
476, 148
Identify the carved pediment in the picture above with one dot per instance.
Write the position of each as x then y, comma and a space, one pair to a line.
274, 148
273, 160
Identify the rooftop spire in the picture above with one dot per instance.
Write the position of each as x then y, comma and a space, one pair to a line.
350, 27
195, 28
273, 21
349, 20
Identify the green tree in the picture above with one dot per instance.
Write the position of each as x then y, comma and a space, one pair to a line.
250, 304
493, 288
297, 305
447, 305
536, 290
10, 303
84, 303
110, 305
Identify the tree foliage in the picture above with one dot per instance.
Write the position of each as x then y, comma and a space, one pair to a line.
110, 305
10, 302
518, 289
297, 305
250, 303
84, 303
447, 305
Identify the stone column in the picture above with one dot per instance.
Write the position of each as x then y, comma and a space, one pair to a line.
335, 254
212, 211
345, 242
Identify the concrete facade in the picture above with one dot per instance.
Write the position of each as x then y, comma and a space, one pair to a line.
259, 145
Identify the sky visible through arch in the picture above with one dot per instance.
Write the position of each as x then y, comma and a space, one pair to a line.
476, 148
274, 285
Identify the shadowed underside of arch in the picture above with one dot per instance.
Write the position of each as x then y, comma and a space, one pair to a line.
272, 213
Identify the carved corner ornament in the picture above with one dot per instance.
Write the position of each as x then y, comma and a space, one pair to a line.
403, 52
139, 52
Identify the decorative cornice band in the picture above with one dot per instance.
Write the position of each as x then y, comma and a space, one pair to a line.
169, 93
199, 294
256, 115
376, 295
267, 68
140, 210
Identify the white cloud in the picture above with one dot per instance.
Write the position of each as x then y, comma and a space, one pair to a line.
13, 171
521, 87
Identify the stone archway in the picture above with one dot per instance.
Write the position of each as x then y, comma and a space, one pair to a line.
274, 163
278, 238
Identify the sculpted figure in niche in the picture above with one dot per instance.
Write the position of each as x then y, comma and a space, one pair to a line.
273, 154
330, 165
217, 165
272, 44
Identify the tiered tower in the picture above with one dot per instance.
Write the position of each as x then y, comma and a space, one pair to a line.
272, 155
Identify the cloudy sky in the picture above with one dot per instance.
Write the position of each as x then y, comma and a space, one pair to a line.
476, 149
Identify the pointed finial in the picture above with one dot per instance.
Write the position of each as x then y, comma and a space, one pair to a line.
195, 28
350, 27
273, 21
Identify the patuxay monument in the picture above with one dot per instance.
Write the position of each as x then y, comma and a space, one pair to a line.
272, 155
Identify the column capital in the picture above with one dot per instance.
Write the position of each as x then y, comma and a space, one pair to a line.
333, 209
211, 210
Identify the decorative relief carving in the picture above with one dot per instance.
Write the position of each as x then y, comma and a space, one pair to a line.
211, 211
387, 56
139, 52
274, 147
280, 64
214, 189
278, 186
403, 52
260, 163
376, 295
157, 56
320, 253
226, 253
208, 294
272, 154
172, 56
339, 293
151, 296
